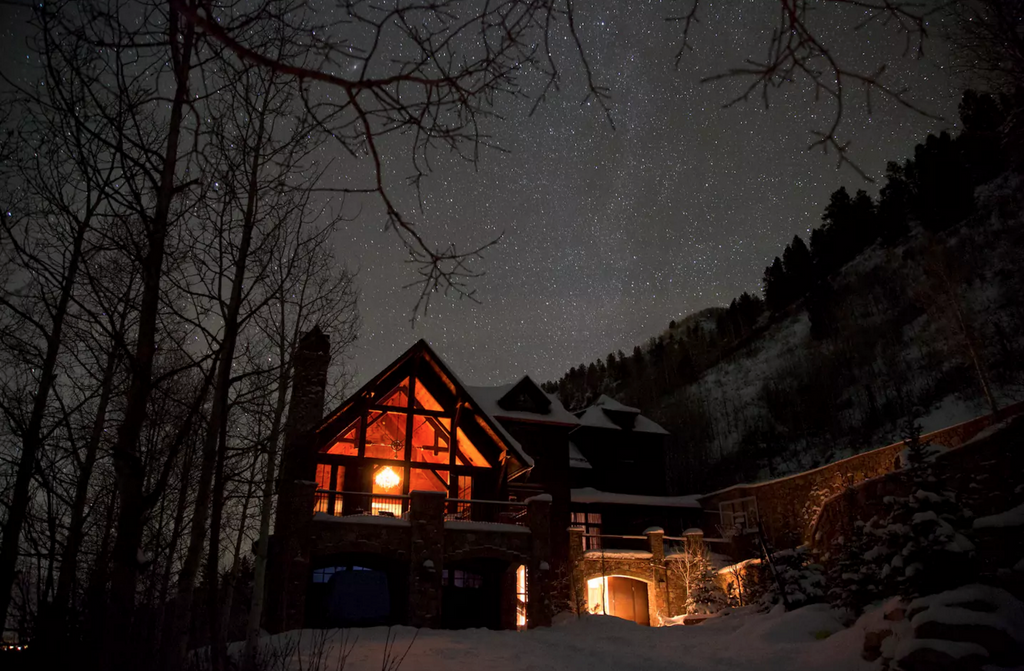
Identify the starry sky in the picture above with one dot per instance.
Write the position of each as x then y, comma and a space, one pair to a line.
607, 235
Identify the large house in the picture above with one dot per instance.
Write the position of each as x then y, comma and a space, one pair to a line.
423, 501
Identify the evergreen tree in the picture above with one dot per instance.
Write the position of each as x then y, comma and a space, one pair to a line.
799, 267
777, 292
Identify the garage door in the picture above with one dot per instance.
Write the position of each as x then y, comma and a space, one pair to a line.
627, 598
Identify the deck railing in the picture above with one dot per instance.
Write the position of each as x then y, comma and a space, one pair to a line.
343, 504
475, 510
615, 542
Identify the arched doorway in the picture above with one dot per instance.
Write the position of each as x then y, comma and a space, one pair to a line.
355, 591
619, 596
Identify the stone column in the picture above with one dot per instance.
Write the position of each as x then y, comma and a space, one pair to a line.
288, 569
426, 558
576, 566
538, 572
657, 593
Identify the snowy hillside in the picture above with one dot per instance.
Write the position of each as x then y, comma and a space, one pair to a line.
922, 326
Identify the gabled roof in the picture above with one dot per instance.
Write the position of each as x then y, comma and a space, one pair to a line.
522, 400
607, 413
523, 461
576, 458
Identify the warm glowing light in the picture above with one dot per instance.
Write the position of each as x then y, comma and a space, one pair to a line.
387, 478
521, 596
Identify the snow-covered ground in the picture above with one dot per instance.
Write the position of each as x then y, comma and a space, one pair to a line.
809, 638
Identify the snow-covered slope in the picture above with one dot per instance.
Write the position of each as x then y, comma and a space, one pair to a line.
910, 328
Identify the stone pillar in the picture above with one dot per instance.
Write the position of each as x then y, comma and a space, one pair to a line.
538, 572
657, 591
288, 569
426, 558
576, 564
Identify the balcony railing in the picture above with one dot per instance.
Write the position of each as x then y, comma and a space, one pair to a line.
613, 543
344, 504
474, 510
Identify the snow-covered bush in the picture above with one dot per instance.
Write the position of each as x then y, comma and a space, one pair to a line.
802, 580
914, 547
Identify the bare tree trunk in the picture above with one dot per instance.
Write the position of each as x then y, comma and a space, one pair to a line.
972, 353
213, 459
230, 584
69, 561
252, 629
128, 464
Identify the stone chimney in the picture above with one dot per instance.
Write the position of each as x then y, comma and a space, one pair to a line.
306, 408
288, 559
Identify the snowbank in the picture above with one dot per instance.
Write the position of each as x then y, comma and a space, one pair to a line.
1013, 517
809, 639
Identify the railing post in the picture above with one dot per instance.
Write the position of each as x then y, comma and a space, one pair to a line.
539, 577
426, 557
659, 604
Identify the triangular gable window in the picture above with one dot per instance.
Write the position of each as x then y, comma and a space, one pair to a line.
347, 442
424, 399
397, 397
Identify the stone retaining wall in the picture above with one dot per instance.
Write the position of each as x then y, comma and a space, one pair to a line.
788, 507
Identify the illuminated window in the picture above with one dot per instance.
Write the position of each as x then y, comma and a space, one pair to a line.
424, 399
468, 455
387, 480
465, 487
431, 439
428, 480
590, 523
346, 443
323, 481
385, 435
330, 478
521, 597
597, 596
397, 397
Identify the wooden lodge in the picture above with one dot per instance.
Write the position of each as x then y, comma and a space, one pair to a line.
427, 502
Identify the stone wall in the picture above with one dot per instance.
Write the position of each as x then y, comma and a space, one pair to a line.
788, 507
421, 545
995, 460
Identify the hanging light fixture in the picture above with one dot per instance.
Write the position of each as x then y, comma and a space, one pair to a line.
386, 478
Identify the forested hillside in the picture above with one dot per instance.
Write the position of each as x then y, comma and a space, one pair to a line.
898, 309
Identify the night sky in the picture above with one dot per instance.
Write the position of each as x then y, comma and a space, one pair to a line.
607, 235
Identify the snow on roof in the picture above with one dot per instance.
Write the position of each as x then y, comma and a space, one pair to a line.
521, 454
468, 525
591, 495
609, 403
487, 398
576, 458
595, 416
